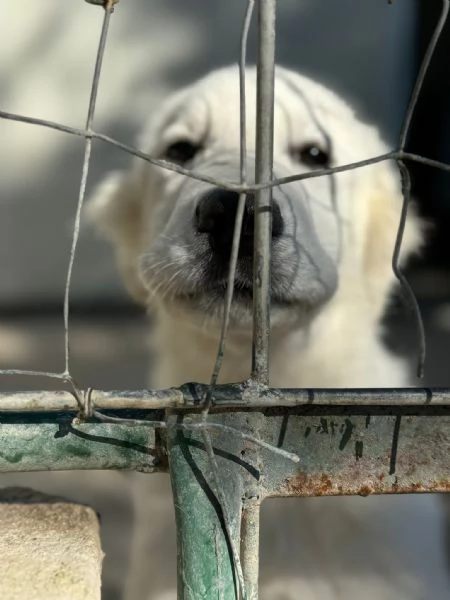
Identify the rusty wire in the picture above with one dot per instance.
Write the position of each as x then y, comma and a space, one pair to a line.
108, 5
242, 196
233, 186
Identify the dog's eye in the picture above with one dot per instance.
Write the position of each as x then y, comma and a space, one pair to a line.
181, 152
311, 156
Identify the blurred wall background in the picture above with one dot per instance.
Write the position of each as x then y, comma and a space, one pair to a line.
366, 50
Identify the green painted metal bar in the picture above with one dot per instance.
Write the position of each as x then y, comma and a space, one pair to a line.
60, 446
205, 561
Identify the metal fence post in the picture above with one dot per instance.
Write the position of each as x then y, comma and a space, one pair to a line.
263, 198
205, 567
261, 266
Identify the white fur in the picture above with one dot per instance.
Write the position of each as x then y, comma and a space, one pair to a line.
387, 548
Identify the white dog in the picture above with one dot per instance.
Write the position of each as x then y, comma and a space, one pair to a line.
332, 244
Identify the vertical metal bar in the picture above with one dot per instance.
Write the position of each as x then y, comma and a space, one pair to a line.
206, 565
250, 548
261, 260
263, 198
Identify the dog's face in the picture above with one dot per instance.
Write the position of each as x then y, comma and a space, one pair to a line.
174, 234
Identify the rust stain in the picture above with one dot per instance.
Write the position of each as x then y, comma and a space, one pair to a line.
303, 484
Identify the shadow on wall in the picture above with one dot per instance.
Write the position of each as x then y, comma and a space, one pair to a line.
46, 60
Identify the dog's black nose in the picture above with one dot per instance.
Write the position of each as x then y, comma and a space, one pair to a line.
215, 215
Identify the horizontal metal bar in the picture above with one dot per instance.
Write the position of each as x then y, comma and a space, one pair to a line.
339, 454
245, 395
341, 449
42, 401
354, 454
59, 446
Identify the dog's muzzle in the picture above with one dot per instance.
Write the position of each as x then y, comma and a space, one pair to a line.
201, 224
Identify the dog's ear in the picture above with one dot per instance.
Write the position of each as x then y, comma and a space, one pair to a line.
385, 203
116, 210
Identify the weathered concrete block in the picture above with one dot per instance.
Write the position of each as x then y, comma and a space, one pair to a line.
49, 548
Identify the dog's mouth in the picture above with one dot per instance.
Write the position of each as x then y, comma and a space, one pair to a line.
215, 295
206, 290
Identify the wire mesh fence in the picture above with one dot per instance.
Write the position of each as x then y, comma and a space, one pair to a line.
153, 430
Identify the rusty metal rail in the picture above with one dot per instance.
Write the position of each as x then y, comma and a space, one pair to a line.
310, 442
